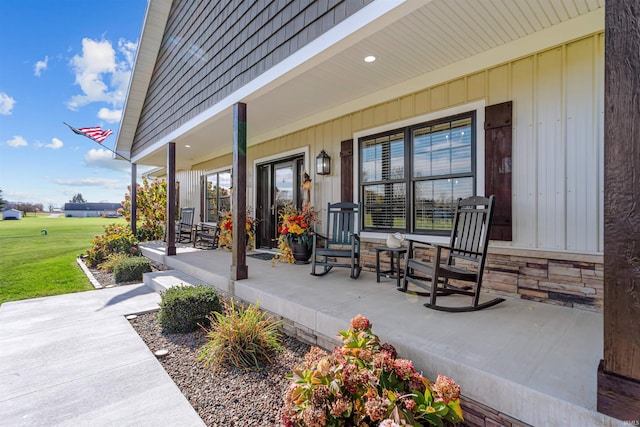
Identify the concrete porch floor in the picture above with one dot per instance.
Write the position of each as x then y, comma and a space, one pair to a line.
532, 361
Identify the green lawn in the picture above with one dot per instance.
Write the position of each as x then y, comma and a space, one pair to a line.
33, 264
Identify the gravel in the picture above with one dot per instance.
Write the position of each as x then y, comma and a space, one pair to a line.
230, 396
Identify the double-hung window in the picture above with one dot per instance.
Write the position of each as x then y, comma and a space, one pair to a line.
217, 195
410, 177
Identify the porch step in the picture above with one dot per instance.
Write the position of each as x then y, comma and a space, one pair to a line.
160, 281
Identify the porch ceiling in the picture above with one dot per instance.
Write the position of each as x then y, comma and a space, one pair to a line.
423, 37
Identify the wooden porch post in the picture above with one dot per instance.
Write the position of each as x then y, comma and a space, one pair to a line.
171, 199
134, 198
239, 268
619, 371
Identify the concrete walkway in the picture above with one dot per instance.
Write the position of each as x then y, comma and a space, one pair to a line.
74, 360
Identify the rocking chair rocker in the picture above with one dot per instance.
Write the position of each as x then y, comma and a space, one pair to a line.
469, 242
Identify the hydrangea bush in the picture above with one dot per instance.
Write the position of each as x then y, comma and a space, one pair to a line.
365, 383
117, 238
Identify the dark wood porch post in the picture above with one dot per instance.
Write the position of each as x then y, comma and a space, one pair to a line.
619, 371
134, 198
171, 198
239, 268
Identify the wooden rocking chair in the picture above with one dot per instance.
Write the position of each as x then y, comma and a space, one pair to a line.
184, 228
469, 242
341, 241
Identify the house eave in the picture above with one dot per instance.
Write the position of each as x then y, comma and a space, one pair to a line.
148, 47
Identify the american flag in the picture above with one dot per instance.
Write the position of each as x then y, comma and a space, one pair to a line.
95, 133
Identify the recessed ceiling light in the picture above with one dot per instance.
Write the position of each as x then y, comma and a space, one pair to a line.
369, 58
187, 146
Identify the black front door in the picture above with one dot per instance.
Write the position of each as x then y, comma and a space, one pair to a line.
278, 184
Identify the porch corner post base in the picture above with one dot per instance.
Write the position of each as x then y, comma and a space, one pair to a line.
618, 396
239, 272
171, 250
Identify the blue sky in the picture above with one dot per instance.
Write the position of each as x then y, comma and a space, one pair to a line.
64, 61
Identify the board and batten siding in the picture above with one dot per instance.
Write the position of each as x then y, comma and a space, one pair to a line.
558, 139
189, 196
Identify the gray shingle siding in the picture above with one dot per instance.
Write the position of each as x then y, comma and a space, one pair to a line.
212, 48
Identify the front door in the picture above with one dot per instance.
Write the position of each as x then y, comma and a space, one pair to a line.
278, 185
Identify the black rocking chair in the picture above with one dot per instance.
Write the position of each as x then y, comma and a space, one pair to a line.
468, 247
184, 229
341, 241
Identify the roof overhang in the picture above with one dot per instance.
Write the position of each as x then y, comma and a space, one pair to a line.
417, 45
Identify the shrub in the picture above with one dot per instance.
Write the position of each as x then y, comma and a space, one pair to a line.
148, 234
111, 262
183, 308
246, 338
131, 269
365, 383
117, 238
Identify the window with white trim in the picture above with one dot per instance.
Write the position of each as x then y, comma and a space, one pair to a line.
410, 177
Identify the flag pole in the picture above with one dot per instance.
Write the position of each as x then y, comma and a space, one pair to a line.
79, 132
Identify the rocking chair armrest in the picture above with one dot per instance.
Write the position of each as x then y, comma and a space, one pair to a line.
318, 236
417, 244
438, 252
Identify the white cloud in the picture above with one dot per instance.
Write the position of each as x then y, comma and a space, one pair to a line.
55, 144
40, 66
102, 73
6, 104
90, 182
102, 158
108, 115
17, 141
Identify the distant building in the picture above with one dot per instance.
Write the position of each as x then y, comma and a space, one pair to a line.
11, 214
85, 210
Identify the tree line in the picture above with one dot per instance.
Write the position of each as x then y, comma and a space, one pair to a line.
34, 207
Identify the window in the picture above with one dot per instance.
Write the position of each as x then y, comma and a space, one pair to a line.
217, 195
415, 192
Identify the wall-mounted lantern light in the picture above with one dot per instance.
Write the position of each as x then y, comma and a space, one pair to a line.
323, 163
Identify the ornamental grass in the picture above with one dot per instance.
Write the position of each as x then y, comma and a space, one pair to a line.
246, 338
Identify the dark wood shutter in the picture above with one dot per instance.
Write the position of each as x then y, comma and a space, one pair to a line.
498, 166
346, 171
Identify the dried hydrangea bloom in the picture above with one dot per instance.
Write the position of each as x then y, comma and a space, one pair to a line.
446, 389
377, 408
360, 322
383, 360
314, 417
388, 348
409, 403
340, 406
404, 368
321, 395
314, 355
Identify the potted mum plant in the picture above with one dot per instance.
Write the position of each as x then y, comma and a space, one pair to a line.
295, 233
226, 227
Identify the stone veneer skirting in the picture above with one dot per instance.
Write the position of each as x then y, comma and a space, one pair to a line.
572, 280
